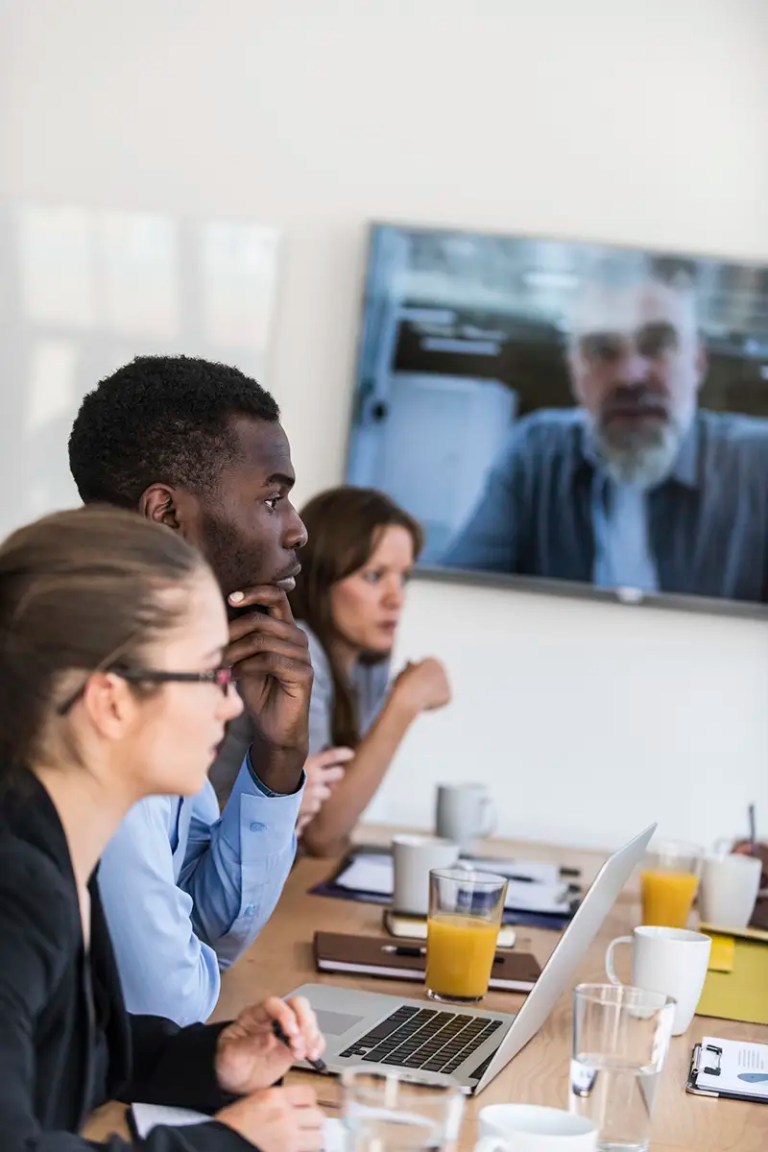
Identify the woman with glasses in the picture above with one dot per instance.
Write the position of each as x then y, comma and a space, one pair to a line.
111, 689
349, 598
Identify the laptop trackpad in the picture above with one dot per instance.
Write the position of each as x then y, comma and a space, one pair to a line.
335, 1023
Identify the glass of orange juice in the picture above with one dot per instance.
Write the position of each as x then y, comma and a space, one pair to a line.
465, 910
668, 882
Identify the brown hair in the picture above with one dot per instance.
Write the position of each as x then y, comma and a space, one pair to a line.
344, 525
76, 589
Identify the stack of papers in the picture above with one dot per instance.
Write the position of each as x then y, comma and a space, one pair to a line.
532, 885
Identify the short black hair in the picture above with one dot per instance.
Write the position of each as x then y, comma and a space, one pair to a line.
160, 419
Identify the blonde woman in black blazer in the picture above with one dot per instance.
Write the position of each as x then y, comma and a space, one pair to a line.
112, 631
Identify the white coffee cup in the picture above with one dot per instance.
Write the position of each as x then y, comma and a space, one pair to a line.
530, 1128
728, 889
413, 857
464, 813
670, 960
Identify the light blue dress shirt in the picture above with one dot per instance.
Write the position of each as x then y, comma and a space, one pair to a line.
707, 522
187, 889
623, 555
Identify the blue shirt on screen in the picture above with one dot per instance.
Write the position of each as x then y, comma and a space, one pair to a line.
706, 523
186, 889
623, 555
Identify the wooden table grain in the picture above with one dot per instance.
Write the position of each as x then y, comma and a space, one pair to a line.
281, 959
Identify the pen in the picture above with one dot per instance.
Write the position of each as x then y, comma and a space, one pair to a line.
318, 1065
414, 950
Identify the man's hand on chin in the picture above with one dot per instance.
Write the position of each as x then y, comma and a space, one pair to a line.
269, 655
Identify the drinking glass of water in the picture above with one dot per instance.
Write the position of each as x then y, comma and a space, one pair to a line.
620, 1042
384, 1113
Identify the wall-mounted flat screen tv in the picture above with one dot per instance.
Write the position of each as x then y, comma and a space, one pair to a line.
591, 416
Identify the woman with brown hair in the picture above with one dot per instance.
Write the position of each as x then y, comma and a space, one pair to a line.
349, 598
112, 688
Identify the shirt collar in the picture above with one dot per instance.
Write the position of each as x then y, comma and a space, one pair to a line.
685, 470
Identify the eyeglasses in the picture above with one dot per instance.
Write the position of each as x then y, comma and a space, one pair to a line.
222, 677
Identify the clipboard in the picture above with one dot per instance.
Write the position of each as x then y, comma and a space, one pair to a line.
719, 1068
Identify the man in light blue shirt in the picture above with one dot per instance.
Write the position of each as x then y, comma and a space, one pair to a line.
635, 488
198, 447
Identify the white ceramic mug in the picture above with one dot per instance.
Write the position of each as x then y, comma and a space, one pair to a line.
464, 813
728, 889
529, 1128
413, 857
669, 960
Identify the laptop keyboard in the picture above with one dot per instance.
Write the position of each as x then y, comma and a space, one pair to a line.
423, 1038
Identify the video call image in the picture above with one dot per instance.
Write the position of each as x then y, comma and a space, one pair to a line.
568, 411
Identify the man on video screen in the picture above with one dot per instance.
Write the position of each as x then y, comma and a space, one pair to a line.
637, 487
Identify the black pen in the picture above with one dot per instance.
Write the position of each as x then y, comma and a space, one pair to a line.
414, 950
318, 1065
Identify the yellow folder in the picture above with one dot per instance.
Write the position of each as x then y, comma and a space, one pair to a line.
736, 987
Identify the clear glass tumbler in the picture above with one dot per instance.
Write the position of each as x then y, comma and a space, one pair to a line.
620, 1042
383, 1113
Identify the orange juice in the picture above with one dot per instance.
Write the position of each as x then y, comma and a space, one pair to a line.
460, 952
667, 897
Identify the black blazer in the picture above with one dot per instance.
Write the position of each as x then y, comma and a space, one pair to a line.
66, 1042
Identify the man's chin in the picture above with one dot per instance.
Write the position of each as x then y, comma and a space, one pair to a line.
642, 457
287, 584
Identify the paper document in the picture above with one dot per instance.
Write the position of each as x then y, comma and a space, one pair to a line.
541, 871
542, 891
368, 873
733, 1066
148, 1116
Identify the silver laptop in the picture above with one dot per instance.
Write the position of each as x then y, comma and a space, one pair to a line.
433, 1043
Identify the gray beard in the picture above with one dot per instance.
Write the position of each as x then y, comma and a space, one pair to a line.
640, 459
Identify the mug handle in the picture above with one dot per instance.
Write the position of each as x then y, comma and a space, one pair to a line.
492, 1144
487, 821
610, 971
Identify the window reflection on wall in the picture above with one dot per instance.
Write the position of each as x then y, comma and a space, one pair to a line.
84, 291
56, 265
138, 265
239, 266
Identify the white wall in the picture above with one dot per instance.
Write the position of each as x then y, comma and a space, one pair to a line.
629, 120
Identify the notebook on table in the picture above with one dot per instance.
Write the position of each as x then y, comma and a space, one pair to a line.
408, 924
736, 987
406, 960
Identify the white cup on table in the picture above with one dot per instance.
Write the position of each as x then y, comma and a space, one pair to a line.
413, 857
530, 1128
669, 960
728, 889
464, 813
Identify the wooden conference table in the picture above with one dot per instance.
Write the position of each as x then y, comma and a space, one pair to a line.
281, 959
